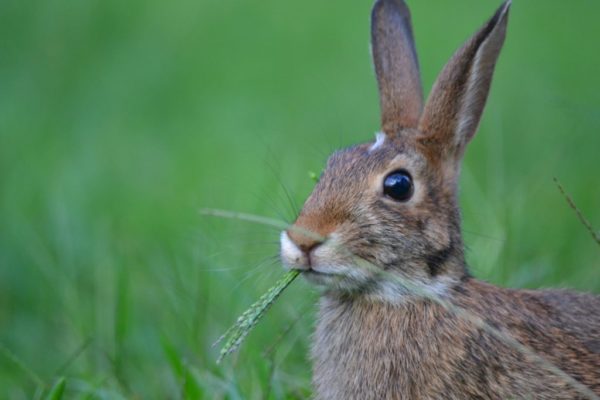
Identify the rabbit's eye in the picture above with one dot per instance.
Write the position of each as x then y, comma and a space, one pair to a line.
398, 185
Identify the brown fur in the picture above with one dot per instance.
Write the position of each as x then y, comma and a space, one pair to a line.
400, 316
420, 350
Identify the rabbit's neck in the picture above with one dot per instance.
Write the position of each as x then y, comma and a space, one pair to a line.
359, 341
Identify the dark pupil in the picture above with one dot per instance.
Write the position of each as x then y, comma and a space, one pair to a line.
398, 186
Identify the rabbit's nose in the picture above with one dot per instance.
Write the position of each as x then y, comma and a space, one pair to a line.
310, 230
305, 241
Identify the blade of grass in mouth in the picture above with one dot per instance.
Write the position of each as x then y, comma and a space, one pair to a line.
235, 335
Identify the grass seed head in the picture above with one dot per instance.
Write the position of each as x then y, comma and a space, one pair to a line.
235, 335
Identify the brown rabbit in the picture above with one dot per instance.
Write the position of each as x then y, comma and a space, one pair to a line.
400, 316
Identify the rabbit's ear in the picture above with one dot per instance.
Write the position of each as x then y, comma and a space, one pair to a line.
396, 66
453, 110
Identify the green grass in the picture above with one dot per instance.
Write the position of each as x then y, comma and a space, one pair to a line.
120, 120
232, 339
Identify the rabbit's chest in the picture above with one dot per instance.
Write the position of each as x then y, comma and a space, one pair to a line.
418, 351
381, 352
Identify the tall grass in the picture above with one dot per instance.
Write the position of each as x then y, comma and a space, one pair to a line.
119, 120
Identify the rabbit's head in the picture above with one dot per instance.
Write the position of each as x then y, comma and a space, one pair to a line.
391, 205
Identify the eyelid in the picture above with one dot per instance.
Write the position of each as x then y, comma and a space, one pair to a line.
399, 170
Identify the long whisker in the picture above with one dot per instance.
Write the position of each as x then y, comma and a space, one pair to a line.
273, 204
267, 262
292, 205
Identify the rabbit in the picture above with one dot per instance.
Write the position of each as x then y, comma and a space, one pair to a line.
400, 316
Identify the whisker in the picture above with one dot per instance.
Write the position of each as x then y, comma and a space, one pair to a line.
275, 206
292, 205
253, 271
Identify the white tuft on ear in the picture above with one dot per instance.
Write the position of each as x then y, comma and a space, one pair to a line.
379, 140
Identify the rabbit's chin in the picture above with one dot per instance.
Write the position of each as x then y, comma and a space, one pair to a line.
387, 287
352, 280
323, 279
339, 278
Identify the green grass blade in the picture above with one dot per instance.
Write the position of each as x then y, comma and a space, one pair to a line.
236, 334
57, 391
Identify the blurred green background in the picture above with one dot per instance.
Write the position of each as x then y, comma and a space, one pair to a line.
120, 120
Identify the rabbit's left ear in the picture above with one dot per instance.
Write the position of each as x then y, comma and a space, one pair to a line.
453, 110
396, 66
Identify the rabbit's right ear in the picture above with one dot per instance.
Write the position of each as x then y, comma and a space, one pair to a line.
396, 66
458, 97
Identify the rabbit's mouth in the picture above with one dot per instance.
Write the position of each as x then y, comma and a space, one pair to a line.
319, 274
318, 277
312, 271
327, 265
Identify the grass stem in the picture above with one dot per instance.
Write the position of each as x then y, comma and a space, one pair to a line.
582, 219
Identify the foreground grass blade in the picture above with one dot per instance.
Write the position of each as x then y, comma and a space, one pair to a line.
57, 391
244, 324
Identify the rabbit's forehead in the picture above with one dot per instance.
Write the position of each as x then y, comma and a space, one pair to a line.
369, 159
